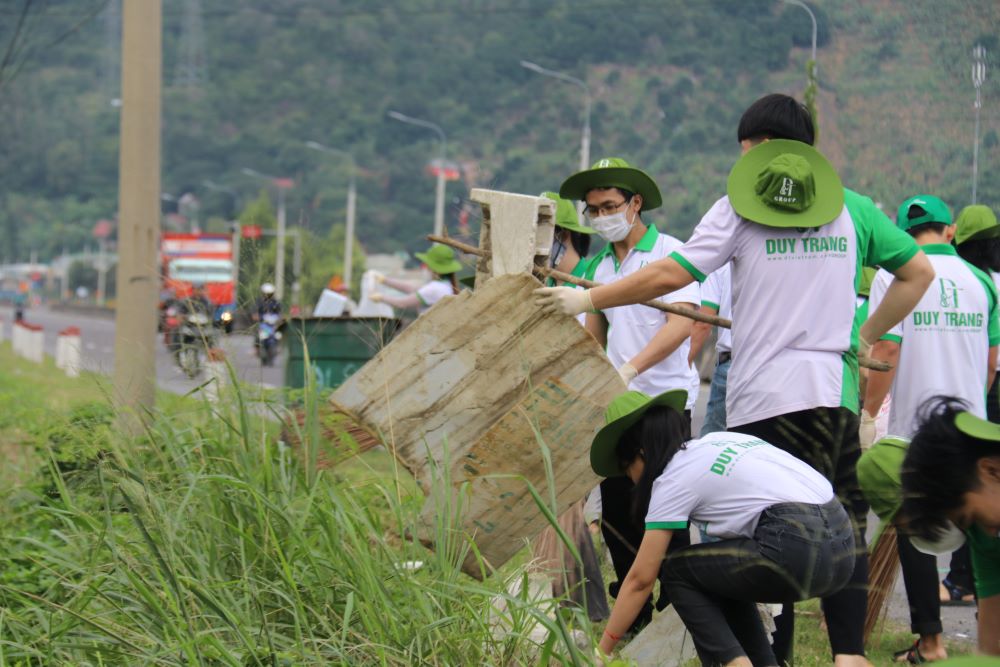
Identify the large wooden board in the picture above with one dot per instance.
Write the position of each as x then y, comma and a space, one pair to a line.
474, 387
516, 232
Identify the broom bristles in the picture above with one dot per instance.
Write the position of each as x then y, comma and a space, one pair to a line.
882, 572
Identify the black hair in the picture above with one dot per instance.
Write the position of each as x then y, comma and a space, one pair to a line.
580, 242
917, 230
939, 467
777, 116
660, 434
984, 254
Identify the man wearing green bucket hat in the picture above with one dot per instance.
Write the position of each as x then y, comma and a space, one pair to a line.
440, 260
779, 533
951, 482
648, 348
797, 241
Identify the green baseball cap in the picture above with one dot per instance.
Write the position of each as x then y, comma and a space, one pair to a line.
625, 410
976, 222
935, 210
566, 215
977, 427
612, 172
440, 259
785, 183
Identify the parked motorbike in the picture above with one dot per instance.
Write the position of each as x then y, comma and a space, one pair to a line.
190, 340
268, 338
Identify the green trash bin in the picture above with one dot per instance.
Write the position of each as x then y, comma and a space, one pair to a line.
337, 347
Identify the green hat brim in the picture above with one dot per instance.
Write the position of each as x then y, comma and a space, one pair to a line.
603, 460
440, 268
988, 233
627, 178
969, 424
741, 187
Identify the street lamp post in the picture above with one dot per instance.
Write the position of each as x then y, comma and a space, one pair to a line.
351, 204
978, 76
443, 151
585, 136
812, 17
281, 184
237, 235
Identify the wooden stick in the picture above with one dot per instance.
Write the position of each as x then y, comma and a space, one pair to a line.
689, 313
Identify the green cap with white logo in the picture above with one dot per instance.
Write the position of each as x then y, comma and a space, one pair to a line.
976, 222
612, 172
785, 183
921, 209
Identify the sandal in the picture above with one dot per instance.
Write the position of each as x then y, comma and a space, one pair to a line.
910, 655
953, 595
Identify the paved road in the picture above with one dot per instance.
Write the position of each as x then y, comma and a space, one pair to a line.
98, 336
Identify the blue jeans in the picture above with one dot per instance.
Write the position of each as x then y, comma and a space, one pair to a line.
715, 411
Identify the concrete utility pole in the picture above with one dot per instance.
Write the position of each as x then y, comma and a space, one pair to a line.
443, 153
585, 135
280, 184
978, 76
351, 204
139, 210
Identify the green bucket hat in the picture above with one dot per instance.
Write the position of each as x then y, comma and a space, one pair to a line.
566, 215
784, 183
935, 210
625, 410
612, 172
976, 222
440, 259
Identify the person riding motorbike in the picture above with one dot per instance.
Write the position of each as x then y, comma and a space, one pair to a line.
268, 314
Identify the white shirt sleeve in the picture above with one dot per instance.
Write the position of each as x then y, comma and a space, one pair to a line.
880, 283
671, 503
713, 241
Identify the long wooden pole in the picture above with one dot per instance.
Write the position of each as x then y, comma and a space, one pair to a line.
695, 315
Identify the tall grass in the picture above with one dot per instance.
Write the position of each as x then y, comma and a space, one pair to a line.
209, 542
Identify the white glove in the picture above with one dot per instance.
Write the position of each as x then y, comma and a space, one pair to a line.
866, 433
627, 373
378, 277
565, 300
376, 297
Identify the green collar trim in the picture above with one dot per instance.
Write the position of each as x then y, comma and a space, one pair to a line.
939, 249
645, 244
648, 239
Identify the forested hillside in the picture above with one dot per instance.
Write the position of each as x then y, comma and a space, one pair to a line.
668, 78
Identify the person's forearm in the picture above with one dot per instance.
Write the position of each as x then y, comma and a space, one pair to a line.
664, 343
652, 281
628, 604
879, 382
409, 301
400, 285
699, 334
598, 328
903, 294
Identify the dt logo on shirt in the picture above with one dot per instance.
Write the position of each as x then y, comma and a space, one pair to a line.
949, 293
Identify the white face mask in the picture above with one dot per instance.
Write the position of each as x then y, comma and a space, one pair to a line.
612, 228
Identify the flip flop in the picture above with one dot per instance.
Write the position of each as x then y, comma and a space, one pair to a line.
911, 655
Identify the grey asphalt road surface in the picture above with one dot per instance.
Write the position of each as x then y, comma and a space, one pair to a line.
97, 336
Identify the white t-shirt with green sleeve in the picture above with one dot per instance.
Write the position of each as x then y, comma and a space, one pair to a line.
945, 341
723, 481
793, 302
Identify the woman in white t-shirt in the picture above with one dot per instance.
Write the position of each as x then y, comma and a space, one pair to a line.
781, 534
440, 259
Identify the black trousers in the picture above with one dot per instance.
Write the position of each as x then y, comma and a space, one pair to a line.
622, 536
798, 551
960, 569
826, 439
920, 576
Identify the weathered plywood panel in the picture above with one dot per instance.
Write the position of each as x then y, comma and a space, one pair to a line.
469, 383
